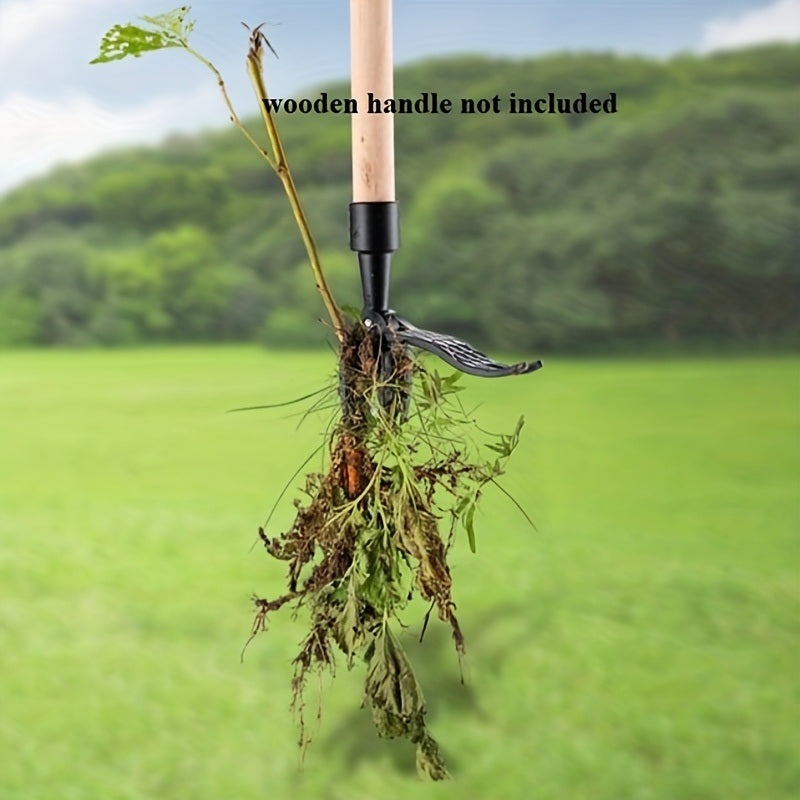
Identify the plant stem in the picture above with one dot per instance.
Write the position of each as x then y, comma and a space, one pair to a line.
281, 167
233, 115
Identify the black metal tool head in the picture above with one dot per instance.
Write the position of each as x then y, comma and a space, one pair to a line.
374, 235
456, 352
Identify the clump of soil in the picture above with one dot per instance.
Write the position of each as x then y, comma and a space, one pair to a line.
367, 536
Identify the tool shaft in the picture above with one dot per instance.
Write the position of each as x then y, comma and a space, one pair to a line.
371, 71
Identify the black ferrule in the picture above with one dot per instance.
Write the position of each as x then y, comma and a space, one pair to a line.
374, 235
374, 227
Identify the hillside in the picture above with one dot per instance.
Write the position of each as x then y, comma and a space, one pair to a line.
674, 219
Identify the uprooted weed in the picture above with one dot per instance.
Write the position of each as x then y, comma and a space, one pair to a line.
404, 472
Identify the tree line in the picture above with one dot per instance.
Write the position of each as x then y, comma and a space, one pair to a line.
672, 221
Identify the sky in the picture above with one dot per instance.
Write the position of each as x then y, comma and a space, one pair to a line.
56, 108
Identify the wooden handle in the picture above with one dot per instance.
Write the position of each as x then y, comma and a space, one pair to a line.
371, 70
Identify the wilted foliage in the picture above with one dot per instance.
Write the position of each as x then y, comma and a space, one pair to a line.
405, 473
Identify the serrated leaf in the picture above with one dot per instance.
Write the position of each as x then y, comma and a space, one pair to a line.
129, 40
430, 763
379, 574
169, 30
393, 691
349, 628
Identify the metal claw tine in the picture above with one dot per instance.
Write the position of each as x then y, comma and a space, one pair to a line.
456, 352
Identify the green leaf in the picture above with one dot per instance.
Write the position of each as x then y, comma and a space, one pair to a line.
352, 312
393, 691
507, 443
451, 384
470, 526
169, 30
515, 435
173, 22
398, 706
350, 632
430, 763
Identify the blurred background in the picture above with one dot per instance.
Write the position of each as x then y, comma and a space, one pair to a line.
642, 642
672, 222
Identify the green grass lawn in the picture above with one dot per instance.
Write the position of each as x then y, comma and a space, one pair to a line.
642, 644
